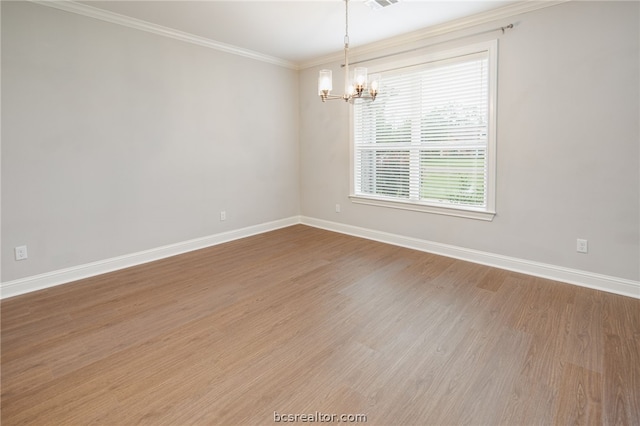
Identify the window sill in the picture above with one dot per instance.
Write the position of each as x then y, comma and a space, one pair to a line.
425, 208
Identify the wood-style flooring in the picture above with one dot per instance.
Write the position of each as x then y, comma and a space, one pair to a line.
305, 321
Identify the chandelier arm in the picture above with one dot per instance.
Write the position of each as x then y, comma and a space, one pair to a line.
348, 97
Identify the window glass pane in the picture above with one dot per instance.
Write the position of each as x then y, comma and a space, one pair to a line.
454, 176
425, 138
384, 172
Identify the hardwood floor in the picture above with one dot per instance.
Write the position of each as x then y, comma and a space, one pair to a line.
302, 320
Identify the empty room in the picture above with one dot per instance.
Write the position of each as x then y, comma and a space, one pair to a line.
386, 212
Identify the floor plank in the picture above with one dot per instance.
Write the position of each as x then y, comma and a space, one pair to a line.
304, 321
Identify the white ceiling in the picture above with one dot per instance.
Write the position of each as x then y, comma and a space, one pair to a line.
295, 30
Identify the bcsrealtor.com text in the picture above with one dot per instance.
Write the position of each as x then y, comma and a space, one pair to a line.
318, 417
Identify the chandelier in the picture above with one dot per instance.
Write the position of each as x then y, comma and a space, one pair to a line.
359, 86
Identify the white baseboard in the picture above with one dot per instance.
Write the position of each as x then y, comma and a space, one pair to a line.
606, 283
62, 276
572, 276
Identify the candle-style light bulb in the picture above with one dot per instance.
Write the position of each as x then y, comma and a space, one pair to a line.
374, 85
359, 80
325, 84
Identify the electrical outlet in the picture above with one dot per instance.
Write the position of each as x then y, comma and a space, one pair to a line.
223, 215
21, 252
337, 208
582, 246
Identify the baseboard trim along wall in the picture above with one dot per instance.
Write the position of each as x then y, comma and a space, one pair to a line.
63, 276
606, 283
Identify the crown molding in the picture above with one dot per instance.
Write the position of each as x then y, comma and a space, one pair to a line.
504, 12
138, 24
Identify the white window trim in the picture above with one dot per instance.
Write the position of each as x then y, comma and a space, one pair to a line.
468, 212
487, 213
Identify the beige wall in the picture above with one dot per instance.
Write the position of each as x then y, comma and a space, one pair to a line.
116, 141
568, 146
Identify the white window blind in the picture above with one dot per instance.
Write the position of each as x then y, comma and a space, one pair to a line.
426, 138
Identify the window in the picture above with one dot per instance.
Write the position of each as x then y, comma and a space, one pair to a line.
428, 141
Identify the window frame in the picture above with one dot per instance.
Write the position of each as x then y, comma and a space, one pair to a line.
486, 213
